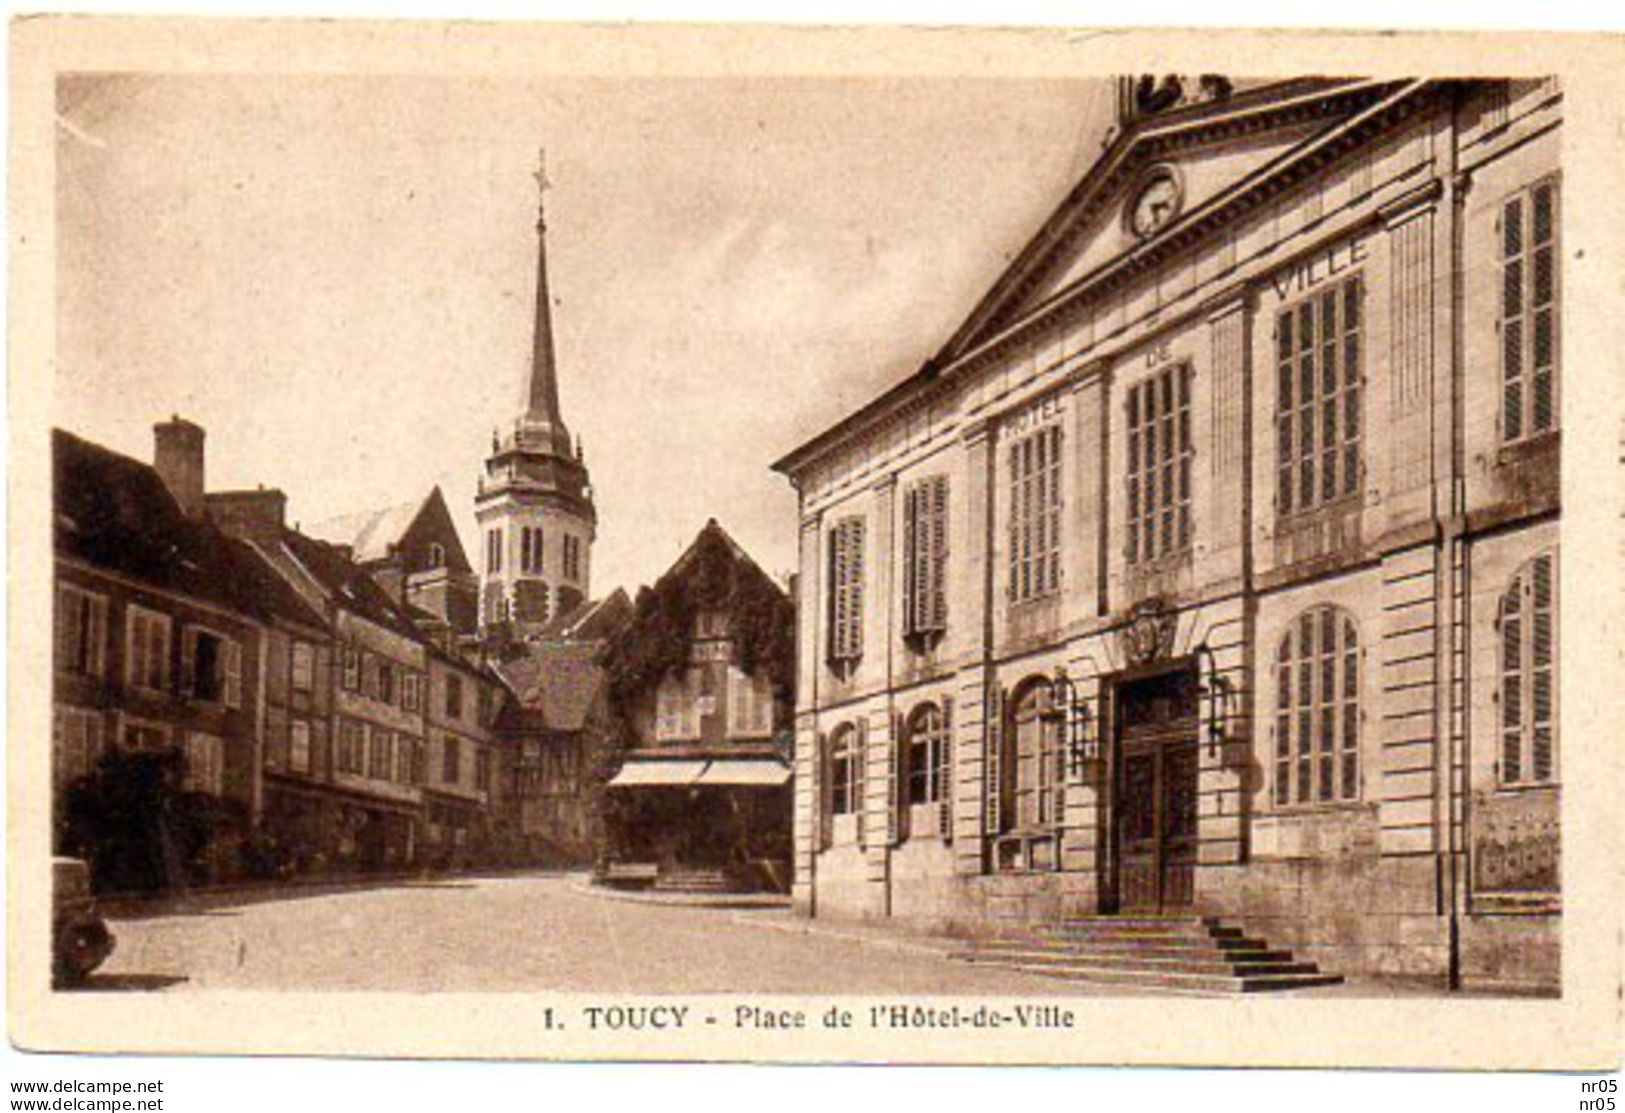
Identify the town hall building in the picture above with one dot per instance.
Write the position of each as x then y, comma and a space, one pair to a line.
1212, 565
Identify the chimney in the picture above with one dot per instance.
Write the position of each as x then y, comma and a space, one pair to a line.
178, 458
258, 515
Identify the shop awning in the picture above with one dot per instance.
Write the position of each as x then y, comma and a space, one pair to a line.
763, 771
656, 773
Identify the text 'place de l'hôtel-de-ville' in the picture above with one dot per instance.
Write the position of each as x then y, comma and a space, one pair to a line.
1209, 568
1211, 565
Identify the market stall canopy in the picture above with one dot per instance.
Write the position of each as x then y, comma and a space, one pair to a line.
767, 772
656, 773
763, 771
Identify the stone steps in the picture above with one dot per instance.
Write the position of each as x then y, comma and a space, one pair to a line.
1179, 953
693, 881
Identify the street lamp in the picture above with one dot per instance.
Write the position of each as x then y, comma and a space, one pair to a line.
1069, 714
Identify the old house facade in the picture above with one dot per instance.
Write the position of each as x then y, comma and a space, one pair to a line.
1213, 563
163, 631
700, 680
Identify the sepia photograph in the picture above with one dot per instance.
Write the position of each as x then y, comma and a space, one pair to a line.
697, 556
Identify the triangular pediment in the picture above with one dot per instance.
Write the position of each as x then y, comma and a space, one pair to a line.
1169, 169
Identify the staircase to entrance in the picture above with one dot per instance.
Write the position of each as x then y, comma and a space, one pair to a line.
1167, 952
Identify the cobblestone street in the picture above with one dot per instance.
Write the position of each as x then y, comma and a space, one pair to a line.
520, 934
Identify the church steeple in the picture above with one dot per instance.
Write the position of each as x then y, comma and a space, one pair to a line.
541, 417
534, 504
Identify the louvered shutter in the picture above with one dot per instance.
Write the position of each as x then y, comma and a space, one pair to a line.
993, 736
232, 653
937, 598
945, 773
897, 784
1542, 644
825, 776
66, 621
911, 571
188, 683
837, 591
860, 780
855, 605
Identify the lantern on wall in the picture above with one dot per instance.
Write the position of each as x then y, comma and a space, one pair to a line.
1069, 714
1213, 689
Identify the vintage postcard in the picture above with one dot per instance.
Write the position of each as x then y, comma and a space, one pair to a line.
815, 545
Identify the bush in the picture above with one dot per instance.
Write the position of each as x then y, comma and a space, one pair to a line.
139, 830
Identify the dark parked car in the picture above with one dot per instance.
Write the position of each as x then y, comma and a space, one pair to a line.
80, 941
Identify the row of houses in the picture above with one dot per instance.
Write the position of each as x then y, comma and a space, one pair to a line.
335, 704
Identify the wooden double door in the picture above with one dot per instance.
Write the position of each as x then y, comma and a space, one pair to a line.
1155, 794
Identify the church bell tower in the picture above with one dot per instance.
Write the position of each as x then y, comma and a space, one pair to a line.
534, 504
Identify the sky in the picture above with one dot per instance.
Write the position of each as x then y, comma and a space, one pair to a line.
335, 275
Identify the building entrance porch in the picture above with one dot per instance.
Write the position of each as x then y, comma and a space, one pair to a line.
1153, 807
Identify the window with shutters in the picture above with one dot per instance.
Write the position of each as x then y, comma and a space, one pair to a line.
144, 735
1529, 313
926, 764
846, 558
147, 649
1037, 780
925, 558
1158, 475
454, 696
1528, 690
352, 744
750, 712
677, 706
81, 632
843, 770
380, 753
77, 742
1317, 710
302, 666
1318, 380
299, 746
202, 656
1035, 514
205, 757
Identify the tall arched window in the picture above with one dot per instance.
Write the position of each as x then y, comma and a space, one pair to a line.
1528, 628
843, 769
927, 768
1035, 768
1317, 709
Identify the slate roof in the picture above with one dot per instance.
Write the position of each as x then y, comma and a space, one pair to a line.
115, 513
369, 533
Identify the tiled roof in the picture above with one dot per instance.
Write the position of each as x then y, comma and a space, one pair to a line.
347, 584
557, 680
116, 513
590, 620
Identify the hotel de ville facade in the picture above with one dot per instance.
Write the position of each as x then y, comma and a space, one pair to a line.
1211, 566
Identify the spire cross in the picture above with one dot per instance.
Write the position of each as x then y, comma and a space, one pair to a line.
540, 174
